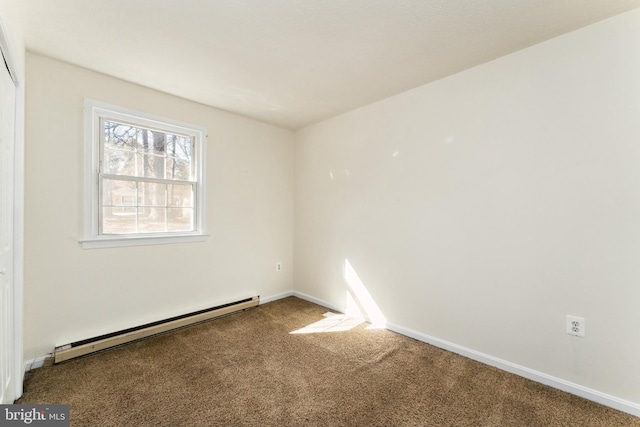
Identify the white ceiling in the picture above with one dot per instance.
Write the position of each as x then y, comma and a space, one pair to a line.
295, 62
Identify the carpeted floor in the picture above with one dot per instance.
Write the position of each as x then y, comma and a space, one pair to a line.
248, 369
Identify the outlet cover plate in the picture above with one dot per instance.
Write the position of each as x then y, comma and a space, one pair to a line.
576, 325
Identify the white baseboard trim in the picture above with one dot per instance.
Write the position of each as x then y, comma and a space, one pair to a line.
531, 374
276, 297
36, 363
303, 296
318, 301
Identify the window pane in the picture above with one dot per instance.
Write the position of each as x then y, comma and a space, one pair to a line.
150, 166
180, 219
135, 151
178, 169
152, 141
152, 194
118, 193
121, 220
179, 146
119, 162
120, 136
151, 219
180, 195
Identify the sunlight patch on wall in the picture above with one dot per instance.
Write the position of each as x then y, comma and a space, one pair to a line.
360, 303
353, 309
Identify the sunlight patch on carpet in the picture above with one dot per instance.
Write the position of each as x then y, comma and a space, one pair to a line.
331, 323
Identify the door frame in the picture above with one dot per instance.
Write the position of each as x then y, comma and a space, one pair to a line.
18, 208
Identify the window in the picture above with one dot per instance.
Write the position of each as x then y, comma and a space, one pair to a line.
144, 178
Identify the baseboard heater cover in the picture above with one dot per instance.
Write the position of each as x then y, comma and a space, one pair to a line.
103, 342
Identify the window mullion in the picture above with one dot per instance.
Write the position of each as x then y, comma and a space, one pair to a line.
145, 179
137, 207
100, 204
166, 204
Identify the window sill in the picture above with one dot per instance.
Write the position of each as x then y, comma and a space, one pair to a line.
121, 241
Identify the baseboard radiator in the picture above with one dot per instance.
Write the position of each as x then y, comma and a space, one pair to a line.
103, 342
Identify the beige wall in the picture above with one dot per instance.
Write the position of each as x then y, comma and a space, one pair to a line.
71, 293
483, 208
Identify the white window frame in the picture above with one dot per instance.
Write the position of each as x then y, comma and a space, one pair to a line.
94, 112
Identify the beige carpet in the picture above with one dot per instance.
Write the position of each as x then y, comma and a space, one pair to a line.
248, 369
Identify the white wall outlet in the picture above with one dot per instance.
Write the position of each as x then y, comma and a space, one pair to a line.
576, 325
278, 266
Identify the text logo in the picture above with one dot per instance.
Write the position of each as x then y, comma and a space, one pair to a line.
34, 415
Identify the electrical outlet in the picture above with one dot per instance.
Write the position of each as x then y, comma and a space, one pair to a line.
278, 266
576, 325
